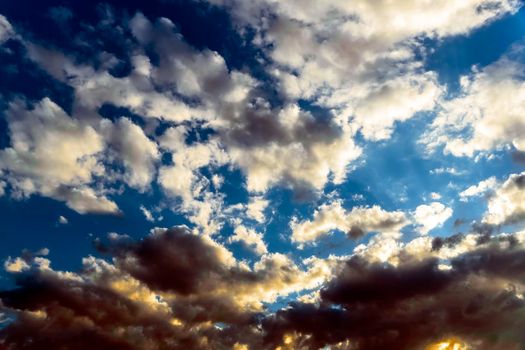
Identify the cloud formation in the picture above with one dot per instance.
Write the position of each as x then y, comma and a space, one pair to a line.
482, 117
413, 305
355, 223
237, 151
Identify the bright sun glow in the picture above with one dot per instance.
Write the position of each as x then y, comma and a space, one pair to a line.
448, 344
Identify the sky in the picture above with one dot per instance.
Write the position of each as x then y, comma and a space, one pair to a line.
247, 175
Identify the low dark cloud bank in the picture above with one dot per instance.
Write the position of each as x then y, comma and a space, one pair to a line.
476, 298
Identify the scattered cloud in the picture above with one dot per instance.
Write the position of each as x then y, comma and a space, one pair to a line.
250, 238
476, 190
507, 204
355, 223
482, 117
430, 216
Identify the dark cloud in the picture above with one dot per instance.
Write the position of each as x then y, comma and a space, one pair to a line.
53, 312
518, 157
415, 304
370, 305
174, 260
450, 241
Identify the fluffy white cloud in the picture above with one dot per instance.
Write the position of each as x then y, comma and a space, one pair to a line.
289, 147
49, 147
249, 237
358, 221
429, 216
507, 204
134, 149
488, 113
85, 200
54, 155
273, 146
358, 58
479, 189
256, 207
183, 178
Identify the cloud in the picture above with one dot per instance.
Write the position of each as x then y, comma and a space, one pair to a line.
206, 267
443, 170
487, 113
413, 305
53, 155
315, 147
256, 207
507, 204
479, 189
189, 87
359, 60
136, 303
250, 238
147, 214
136, 151
6, 30
365, 303
357, 222
15, 265
62, 220
429, 216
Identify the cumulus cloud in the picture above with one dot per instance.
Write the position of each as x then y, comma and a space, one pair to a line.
147, 213
487, 113
252, 239
429, 216
359, 59
256, 207
415, 304
138, 295
341, 69
357, 222
362, 302
135, 150
476, 190
187, 85
507, 204
53, 155
315, 147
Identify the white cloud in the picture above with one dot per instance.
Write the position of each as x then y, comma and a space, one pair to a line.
256, 207
85, 200
249, 237
184, 180
446, 170
62, 220
53, 155
48, 147
136, 151
487, 114
147, 214
435, 195
358, 58
289, 147
358, 221
429, 216
507, 204
476, 190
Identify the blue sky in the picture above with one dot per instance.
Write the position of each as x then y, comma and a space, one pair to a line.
278, 136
